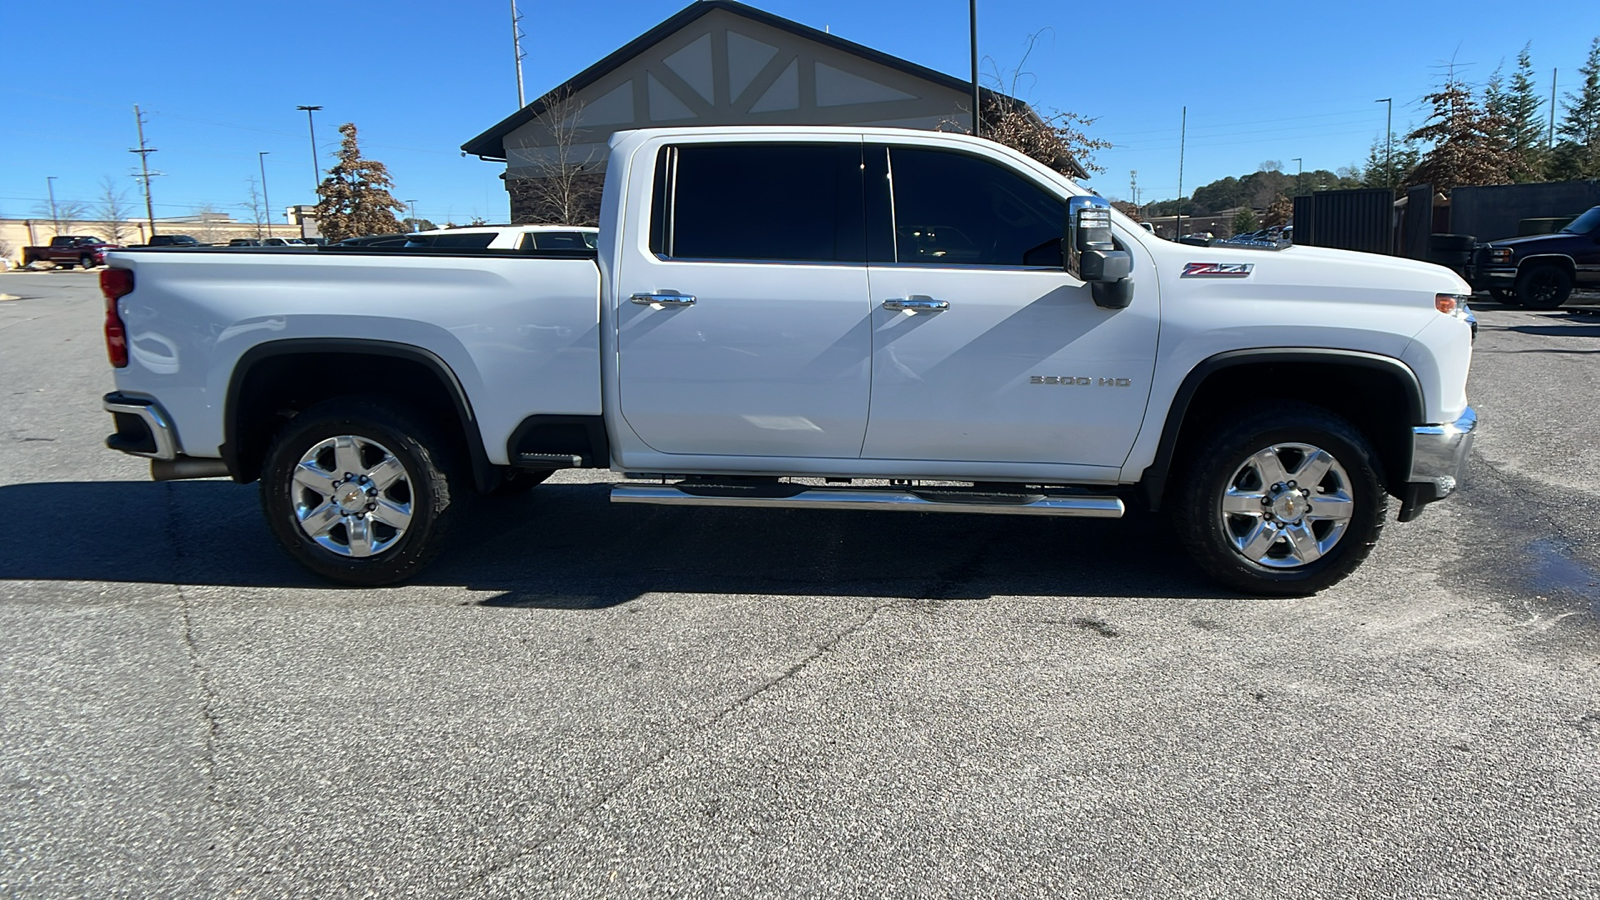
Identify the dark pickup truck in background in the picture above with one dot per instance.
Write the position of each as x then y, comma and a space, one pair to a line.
1539, 271
67, 251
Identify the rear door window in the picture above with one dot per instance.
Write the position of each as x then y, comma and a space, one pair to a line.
756, 202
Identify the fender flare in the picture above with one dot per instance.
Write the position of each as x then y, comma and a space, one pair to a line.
1154, 480
483, 473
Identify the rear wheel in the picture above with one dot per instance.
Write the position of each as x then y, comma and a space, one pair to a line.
1544, 286
357, 492
87, 262
1285, 501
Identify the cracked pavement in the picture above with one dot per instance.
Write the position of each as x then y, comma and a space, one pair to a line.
581, 699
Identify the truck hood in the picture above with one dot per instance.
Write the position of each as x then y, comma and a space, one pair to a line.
1312, 271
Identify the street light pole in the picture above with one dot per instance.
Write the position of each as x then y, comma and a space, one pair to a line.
1388, 140
316, 165
265, 200
972, 8
50, 185
1299, 168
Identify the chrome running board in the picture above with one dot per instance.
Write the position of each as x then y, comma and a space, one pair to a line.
908, 500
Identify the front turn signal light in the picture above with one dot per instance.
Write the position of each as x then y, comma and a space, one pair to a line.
1449, 304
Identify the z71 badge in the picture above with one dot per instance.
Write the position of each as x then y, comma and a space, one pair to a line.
1217, 270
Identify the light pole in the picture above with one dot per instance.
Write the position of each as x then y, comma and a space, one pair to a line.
972, 8
265, 200
415, 226
316, 165
1299, 167
1388, 142
50, 185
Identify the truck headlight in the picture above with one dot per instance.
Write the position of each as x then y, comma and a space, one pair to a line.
1500, 254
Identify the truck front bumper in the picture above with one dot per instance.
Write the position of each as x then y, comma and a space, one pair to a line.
1438, 453
1484, 277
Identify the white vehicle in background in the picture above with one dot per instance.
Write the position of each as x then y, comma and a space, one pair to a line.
833, 318
509, 237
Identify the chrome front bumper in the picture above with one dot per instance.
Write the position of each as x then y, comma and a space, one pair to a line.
1438, 453
143, 428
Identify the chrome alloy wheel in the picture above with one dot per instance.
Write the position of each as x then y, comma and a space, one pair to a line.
1287, 506
351, 495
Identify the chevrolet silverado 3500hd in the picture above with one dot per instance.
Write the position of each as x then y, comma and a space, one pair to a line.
838, 318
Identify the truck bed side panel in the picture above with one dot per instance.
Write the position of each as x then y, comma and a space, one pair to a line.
527, 328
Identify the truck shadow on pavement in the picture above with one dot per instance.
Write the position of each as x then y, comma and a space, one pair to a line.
564, 546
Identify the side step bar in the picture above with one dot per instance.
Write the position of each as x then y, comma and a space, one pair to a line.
880, 498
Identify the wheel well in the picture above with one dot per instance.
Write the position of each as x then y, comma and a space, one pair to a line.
274, 387
1564, 262
1379, 400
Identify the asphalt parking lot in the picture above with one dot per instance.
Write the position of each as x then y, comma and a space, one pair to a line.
580, 699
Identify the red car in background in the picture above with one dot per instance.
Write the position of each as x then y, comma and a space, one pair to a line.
70, 250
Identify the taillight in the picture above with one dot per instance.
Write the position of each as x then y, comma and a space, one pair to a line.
116, 283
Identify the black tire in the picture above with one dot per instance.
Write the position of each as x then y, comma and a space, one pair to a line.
1452, 243
431, 481
515, 482
1543, 286
87, 262
1209, 536
1505, 295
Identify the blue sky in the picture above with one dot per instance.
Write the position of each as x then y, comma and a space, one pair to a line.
220, 82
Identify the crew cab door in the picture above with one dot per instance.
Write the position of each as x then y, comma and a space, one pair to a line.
744, 326
984, 348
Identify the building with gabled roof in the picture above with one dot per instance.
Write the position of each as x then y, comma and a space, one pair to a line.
715, 62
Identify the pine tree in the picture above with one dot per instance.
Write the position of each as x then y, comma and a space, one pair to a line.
1390, 162
354, 199
1468, 143
1525, 130
1578, 154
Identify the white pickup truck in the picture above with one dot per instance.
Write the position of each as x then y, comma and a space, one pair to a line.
854, 318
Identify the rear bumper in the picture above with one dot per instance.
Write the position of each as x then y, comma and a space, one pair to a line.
143, 427
1438, 453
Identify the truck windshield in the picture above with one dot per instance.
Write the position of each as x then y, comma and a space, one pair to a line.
1585, 223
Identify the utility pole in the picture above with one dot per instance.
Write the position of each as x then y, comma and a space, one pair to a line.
316, 164
516, 50
1183, 134
415, 225
144, 166
265, 200
972, 7
50, 185
1133, 186
1388, 140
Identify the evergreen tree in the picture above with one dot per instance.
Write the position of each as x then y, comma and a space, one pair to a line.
1525, 131
1390, 162
1244, 220
354, 200
1578, 154
1467, 142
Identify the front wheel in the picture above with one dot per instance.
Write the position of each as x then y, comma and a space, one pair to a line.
1285, 501
1544, 287
357, 492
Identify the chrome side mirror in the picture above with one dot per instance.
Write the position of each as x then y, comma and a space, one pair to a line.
1092, 253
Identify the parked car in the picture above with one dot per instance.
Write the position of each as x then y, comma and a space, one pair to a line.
510, 237
67, 251
1540, 271
282, 242
245, 242
375, 240
169, 240
750, 295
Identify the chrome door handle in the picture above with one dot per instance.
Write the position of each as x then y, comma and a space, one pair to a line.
917, 305
663, 299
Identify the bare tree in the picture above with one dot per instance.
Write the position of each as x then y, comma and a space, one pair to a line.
113, 211
256, 209
69, 213
1054, 137
564, 183
208, 230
